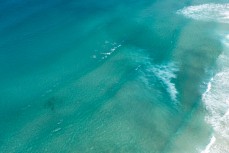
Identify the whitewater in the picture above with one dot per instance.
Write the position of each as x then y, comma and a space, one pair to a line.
216, 96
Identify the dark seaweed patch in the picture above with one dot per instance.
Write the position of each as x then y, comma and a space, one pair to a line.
51, 103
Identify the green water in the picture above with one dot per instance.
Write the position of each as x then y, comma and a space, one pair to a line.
113, 76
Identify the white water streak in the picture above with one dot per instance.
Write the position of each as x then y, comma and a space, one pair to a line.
207, 149
166, 73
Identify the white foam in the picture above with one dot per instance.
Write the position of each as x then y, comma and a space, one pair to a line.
56, 130
207, 12
111, 51
209, 86
166, 73
207, 149
216, 99
226, 41
216, 96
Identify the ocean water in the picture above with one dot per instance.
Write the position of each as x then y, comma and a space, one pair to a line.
114, 76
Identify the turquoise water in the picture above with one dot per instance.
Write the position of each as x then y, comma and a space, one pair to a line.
115, 76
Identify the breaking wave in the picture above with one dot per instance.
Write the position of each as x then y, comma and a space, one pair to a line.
216, 99
207, 12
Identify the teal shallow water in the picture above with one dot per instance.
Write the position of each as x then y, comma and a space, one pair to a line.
114, 76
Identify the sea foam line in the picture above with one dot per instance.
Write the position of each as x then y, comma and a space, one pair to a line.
207, 149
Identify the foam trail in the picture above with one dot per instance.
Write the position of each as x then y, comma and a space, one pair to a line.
165, 73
